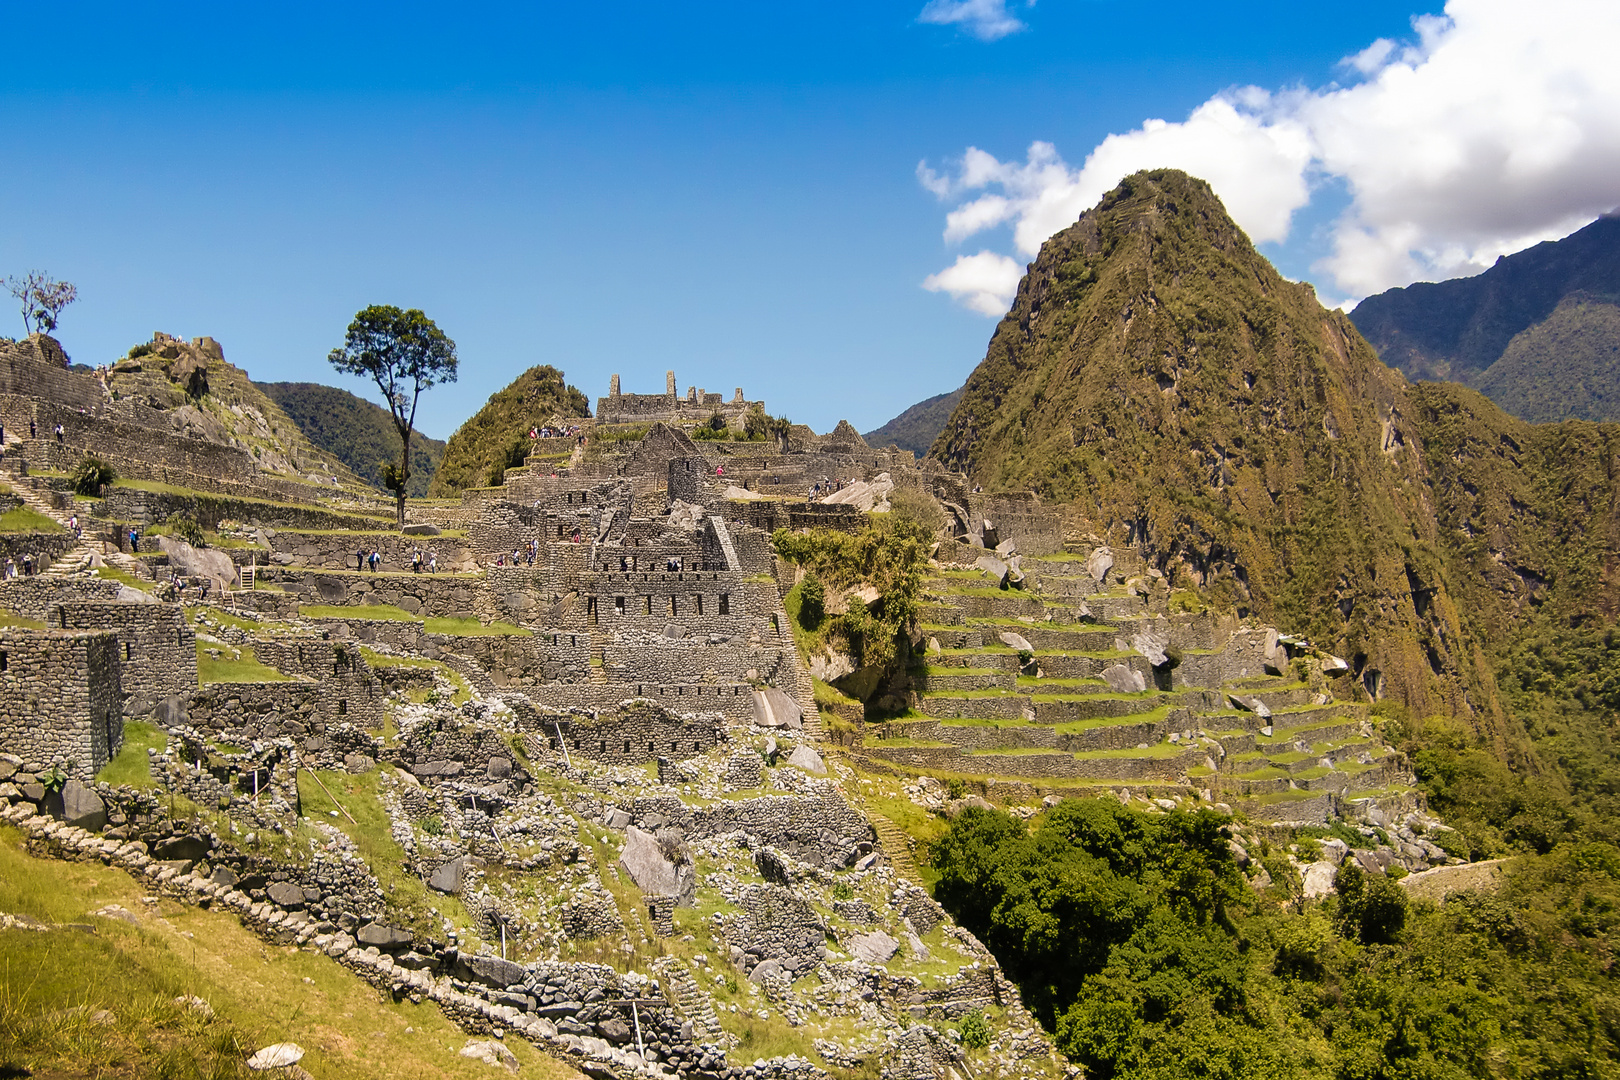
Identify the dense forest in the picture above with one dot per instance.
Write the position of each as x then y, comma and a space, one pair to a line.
1141, 942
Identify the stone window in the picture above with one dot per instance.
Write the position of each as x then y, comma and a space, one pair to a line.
618, 605
673, 610
5, 661
649, 603
725, 603
126, 651
700, 605
343, 707
627, 746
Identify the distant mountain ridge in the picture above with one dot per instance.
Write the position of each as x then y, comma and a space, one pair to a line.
1461, 329
357, 432
917, 427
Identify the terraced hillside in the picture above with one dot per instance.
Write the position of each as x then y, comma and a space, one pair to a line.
1053, 686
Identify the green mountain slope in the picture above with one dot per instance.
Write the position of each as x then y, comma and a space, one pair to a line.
1156, 373
355, 431
1566, 367
917, 427
496, 438
1457, 329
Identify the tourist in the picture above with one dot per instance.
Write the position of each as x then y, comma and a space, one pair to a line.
11, 568
416, 561
33, 429
134, 540
360, 558
58, 434
73, 524
28, 564
433, 562
376, 560
204, 586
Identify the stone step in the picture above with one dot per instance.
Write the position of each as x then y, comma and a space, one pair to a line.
896, 847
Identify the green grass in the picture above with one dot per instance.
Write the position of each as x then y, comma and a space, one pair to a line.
25, 519
366, 611
55, 981
228, 670
131, 766
473, 628
410, 903
114, 574
463, 692
9, 619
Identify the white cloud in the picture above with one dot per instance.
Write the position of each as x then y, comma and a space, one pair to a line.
1499, 126
987, 20
985, 282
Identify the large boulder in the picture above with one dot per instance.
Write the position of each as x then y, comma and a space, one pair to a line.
774, 709
874, 948
199, 562
1152, 645
807, 759
383, 936
1123, 680
285, 894
659, 869
1099, 563
448, 876
82, 807
493, 971
1016, 641
276, 1056
994, 567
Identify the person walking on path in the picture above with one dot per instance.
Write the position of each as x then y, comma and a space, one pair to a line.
433, 562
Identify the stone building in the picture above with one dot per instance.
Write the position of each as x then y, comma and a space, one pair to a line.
697, 406
61, 702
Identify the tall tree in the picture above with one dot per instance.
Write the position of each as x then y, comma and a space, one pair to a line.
404, 353
43, 299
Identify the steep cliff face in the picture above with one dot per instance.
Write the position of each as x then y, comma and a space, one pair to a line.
1156, 373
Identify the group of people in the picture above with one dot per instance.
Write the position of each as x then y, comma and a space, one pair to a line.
30, 566
174, 591
826, 487
419, 561
571, 431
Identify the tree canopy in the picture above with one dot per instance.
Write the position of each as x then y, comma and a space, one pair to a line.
404, 353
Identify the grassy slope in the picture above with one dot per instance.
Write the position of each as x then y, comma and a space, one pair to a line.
355, 431
1566, 367
261, 994
497, 436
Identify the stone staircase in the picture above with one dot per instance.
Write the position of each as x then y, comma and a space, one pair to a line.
690, 1001
896, 846
77, 561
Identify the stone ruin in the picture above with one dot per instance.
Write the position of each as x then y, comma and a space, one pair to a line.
597, 691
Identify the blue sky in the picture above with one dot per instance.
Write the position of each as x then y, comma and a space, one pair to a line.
728, 190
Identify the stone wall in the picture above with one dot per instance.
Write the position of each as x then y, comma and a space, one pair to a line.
151, 507
157, 647
346, 689
36, 597
61, 703
38, 368
336, 551
637, 733
444, 595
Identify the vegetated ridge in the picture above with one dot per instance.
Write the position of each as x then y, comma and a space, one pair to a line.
496, 437
1461, 329
917, 427
1159, 376
202, 395
357, 432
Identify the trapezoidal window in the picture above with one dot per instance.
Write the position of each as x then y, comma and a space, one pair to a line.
343, 707
700, 605
725, 603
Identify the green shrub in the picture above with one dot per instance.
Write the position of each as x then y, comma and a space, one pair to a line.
812, 602
975, 1030
91, 475
183, 526
138, 351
